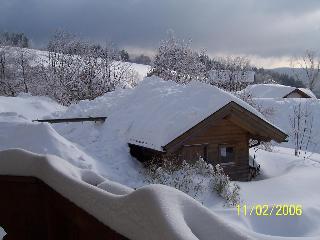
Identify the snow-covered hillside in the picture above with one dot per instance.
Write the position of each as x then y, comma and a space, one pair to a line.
41, 56
101, 148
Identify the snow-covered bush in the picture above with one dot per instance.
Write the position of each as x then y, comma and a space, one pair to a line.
224, 187
193, 179
182, 177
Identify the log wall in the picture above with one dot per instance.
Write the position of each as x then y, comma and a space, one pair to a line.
223, 132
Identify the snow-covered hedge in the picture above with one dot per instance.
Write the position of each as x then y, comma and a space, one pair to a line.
193, 179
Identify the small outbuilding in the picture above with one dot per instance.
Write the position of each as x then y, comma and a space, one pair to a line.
277, 91
198, 120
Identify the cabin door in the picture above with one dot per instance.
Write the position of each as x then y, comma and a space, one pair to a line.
192, 153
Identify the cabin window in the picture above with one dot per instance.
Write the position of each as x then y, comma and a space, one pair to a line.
226, 153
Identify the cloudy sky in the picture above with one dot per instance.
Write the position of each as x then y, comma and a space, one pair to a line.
268, 31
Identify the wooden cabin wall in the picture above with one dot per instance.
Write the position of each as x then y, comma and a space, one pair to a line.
223, 132
31, 210
206, 144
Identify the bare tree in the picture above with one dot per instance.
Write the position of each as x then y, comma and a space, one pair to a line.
79, 70
309, 62
10, 83
301, 121
230, 73
23, 60
175, 60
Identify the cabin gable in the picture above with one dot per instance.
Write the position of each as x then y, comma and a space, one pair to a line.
297, 93
224, 136
256, 127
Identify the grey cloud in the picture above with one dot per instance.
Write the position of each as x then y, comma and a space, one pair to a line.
266, 28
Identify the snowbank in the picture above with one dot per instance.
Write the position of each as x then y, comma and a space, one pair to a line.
17, 130
28, 107
152, 212
285, 179
43, 139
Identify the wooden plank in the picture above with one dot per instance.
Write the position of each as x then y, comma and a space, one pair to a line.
66, 120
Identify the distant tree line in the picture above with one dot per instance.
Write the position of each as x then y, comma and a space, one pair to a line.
14, 39
270, 76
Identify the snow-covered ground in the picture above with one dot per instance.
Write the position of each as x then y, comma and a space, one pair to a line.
102, 148
283, 111
285, 179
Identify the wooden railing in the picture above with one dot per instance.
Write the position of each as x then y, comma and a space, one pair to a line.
30, 209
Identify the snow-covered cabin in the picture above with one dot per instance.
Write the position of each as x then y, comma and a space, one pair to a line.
277, 91
196, 120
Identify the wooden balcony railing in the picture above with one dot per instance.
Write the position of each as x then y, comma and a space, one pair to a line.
31, 210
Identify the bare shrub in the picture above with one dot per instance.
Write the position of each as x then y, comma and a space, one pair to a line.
301, 122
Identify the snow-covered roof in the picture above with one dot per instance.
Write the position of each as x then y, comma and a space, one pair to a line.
163, 110
308, 92
224, 75
273, 91
152, 212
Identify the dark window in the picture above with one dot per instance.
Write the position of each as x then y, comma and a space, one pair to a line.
226, 153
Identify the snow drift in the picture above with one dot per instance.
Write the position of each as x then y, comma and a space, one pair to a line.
42, 138
28, 107
17, 130
151, 212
